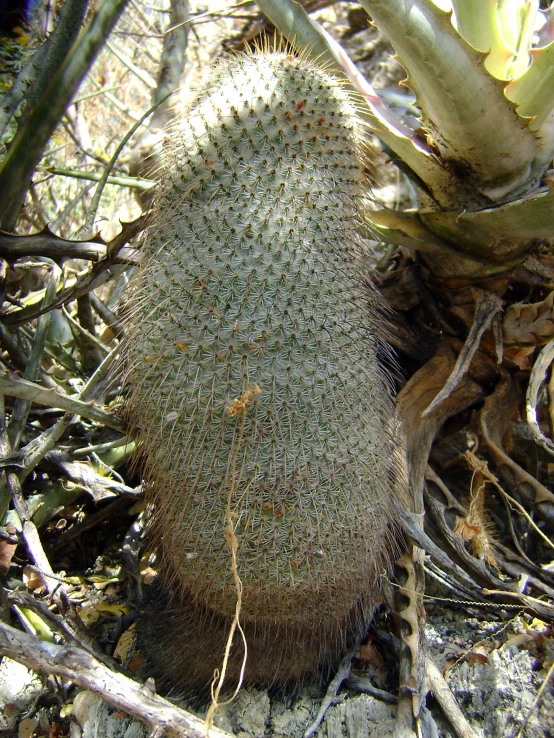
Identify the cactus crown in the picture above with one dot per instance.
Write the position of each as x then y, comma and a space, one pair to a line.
254, 275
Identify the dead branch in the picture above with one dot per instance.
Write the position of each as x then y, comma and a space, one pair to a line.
331, 698
487, 306
446, 700
77, 665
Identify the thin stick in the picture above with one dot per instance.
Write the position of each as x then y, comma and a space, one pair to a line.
446, 700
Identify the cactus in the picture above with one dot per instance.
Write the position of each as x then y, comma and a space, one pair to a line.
254, 379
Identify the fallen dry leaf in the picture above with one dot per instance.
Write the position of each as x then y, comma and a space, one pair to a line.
125, 643
476, 657
7, 550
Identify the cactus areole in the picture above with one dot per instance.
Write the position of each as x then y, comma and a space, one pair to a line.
254, 383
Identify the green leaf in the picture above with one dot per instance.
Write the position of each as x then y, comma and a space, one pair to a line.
466, 112
477, 22
525, 39
533, 92
503, 234
510, 13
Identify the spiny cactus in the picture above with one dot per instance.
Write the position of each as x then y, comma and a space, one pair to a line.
253, 376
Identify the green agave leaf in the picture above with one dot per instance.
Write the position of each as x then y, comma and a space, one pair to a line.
477, 21
405, 228
525, 40
504, 30
533, 93
510, 13
502, 235
464, 106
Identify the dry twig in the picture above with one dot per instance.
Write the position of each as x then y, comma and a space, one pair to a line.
77, 665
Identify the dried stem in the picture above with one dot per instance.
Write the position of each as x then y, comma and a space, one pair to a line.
80, 667
35, 393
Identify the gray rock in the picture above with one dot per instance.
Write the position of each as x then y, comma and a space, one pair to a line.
20, 689
497, 696
101, 720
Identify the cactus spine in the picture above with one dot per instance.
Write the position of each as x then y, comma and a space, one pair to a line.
254, 276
